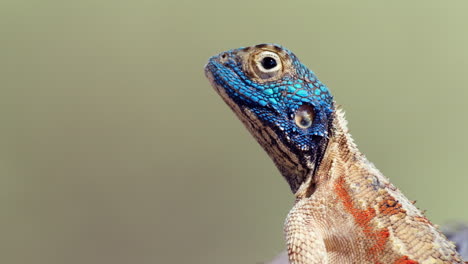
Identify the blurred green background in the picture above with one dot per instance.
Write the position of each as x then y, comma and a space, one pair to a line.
115, 149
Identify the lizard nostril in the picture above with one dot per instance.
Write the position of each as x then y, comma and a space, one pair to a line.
223, 57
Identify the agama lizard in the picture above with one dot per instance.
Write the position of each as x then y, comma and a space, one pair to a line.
345, 211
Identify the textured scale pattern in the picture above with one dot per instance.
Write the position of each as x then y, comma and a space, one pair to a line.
346, 211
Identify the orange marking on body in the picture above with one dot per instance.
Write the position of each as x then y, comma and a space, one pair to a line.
390, 206
363, 218
405, 260
381, 240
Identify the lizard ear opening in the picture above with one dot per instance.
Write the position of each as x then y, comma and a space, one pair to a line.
304, 116
267, 65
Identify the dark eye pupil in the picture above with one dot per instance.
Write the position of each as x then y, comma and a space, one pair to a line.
269, 63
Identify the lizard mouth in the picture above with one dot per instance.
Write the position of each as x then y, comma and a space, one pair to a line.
220, 89
229, 84
209, 73
225, 91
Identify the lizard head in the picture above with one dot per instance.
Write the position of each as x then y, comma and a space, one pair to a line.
280, 101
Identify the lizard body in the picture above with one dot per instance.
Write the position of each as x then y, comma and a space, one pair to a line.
345, 211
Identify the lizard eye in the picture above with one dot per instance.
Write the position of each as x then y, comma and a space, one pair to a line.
267, 64
304, 116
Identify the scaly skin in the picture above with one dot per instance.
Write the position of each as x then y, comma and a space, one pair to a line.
346, 211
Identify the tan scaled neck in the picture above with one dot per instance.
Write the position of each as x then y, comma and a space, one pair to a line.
341, 153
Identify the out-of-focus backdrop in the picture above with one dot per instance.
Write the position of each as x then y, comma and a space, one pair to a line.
115, 149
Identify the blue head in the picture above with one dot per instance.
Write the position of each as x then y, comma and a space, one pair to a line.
280, 101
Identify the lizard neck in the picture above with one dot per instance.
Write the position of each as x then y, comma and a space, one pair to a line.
350, 199
341, 154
